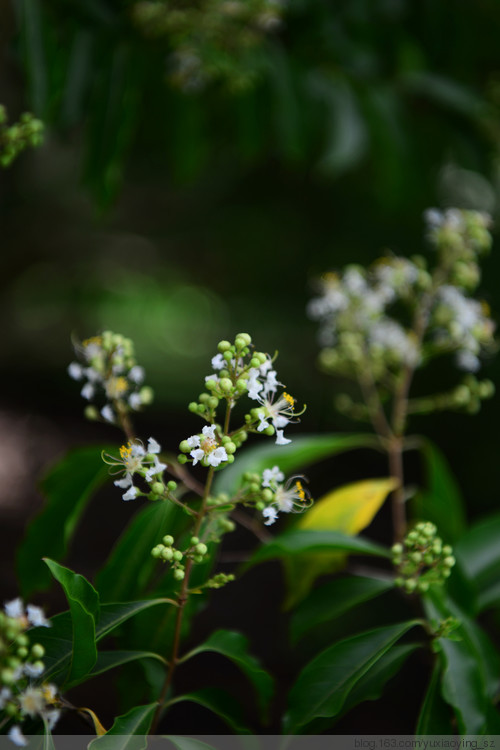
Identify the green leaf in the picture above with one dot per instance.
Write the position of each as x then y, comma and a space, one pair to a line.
234, 646
293, 542
301, 452
221, 703
58, 639
478, 554
470, 666
110, 659
83, 602
325, 683
32, 28
435, 715
441, 502
129, 732
333, 599
128, 569
68, 488
187, 743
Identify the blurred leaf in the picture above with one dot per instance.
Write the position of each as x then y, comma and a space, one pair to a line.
478, 553
298, 454
32, 32
221, 703
107, 660
83, 602
129, 732
333, 599
442, 501
297, 542
234, 646
350, 508
128, 569
287, 110
99, 729
435, 715
68, 487
446, 92
78, 77
58, 639
187, 743
325, 683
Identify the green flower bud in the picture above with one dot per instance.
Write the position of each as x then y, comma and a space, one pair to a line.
197, 558
182, 459
158, 488
230, 458
171, 485
223, 346
203, 397
37, 651
397, 549
167, 554
193, 407
260, 505
179, 574
146, 395
184, 446
213, 402
241, 385
11, 709
230, 447
410, 585
225, 384
423, 586
91, 413
194, 540
267, 495
210, 384
228, 356
22, 640
449, 561
201, 548
227, 525
269, 430
447, 550
416, 557
168, 540
39, 665
177, 555
156, 552
22, 652
7, 676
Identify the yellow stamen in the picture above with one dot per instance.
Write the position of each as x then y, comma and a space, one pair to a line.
289, 399
300, 491
97, 340
125, 451
116, 387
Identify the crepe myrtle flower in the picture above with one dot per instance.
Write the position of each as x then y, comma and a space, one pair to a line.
276, 413
290, 497
135, 459
29, 616
205, 447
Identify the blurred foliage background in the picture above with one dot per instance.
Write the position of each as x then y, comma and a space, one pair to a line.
205, 160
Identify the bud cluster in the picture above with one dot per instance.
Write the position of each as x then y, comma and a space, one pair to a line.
270, 496
20, 666
108, 367
166, 552
143, 462
422, 559
211, 40
18, 137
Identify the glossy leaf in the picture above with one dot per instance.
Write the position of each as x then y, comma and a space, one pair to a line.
58, 640
129, 732
298, 542
234, 646
441, 501
110, 659
478, 553
221, 703
325, 683
83, 602
331, 600
67, 488
301, 452
435, 714
129, 567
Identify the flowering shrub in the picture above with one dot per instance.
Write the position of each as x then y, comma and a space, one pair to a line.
377, 328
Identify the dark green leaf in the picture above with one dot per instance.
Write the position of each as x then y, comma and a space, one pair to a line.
110, 659
68, 488
478, 553
298, 542
234, 646
441, 502
130, 565
301, 452
83, 602
58, 640
333, 599
221, 703
187, 743
129, 732
325, 683
32, 27
435, 715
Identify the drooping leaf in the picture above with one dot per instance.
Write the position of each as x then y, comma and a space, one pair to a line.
478, 554
221, 703
331, 600
68, 488
129, 732
129, 567
84, 606
435, 714
301, 452
58, 639
234, 646
441, 501
325, 683
99, 729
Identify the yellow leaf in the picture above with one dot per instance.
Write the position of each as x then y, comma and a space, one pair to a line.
350, 508
97, 724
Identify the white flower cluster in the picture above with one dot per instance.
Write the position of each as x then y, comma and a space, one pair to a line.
465, 233
462, 325
290, 497
20, 665
206, 447
135, 459
352, 311
108, 368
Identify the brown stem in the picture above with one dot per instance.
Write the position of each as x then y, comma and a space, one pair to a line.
395, 452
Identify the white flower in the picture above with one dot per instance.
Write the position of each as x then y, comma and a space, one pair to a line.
32, 701
218, 362
33, 670
108, 414
135, 401
153, 446
75, 371
468, 361
253, 384
270, 514
155, 469
281, 439
136, 374
14, 608
279, 412
5, 696
288, 498
131, 494
17, 737
36, 617
206, 447
88, 391
270, 477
